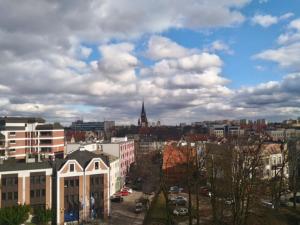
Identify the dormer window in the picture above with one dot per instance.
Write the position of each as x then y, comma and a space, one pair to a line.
72, 167
96, 165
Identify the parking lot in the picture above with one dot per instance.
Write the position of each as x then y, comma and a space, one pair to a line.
124, 213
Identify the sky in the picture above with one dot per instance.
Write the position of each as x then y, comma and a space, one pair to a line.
189, 60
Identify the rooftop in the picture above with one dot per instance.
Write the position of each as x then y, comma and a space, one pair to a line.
22, 120
14, 165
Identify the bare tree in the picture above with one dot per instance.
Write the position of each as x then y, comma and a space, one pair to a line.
294, 164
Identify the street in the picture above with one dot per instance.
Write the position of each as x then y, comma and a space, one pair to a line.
123, 213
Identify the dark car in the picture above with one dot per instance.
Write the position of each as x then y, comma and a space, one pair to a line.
297, 199
116, 198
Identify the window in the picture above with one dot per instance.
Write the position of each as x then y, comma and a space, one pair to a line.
31, 180
66, 183
43, 192
3, 196
96, 165
31, 193
77, 183
12, 141
12, 150
9, 195
15, 195
72, 166
3, 181
37, 193
72, 183
37, 180
12, 133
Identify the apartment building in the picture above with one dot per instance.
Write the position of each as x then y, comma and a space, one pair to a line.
274, 158
26, 183
226, 130
82, 187
283, 134
21, 137
76, 188
124, 150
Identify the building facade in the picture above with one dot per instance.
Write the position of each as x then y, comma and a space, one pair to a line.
75, 188
124, 150
29, 137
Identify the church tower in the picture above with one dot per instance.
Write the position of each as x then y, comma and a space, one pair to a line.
143, 122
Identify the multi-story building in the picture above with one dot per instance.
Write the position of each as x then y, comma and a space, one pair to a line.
124, 150
80, 125
30, 136
75, 188
226, 130
82, 187
283, 134
26, 183
274, 158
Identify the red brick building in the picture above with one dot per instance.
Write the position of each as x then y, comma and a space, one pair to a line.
25, 137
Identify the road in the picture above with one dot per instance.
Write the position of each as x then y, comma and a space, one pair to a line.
123, 213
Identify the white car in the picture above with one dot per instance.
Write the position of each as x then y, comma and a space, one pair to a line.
180, 211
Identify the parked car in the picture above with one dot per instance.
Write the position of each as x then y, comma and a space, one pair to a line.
229, 201
127, 189
138, 207
267, 204
123, 193
178, 200
180, 211
174, 189
116, 198
204, 191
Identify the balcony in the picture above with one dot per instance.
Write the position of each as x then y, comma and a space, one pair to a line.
45, 134
46, 142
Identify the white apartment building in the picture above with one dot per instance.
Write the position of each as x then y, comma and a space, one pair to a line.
273, 158
123, 149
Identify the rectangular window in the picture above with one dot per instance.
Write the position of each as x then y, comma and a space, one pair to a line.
32, 194
96, 165
9, 196
43, 192
71, 183
31, 180
77, 183
3, 181
72, 166
15, 195
12, 142
12, 133
3, 196
37, 193
12, 150
37, 180
66, 183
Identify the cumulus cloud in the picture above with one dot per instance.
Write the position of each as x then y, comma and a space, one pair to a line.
266, 20
45, 67
288, 51
160, 47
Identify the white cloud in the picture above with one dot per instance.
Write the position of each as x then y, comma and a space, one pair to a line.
44, 46
221, 46
264, 20
161, 47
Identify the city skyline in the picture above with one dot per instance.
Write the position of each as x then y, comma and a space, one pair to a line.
192, 61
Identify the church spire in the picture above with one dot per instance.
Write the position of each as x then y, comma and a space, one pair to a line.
143, 122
